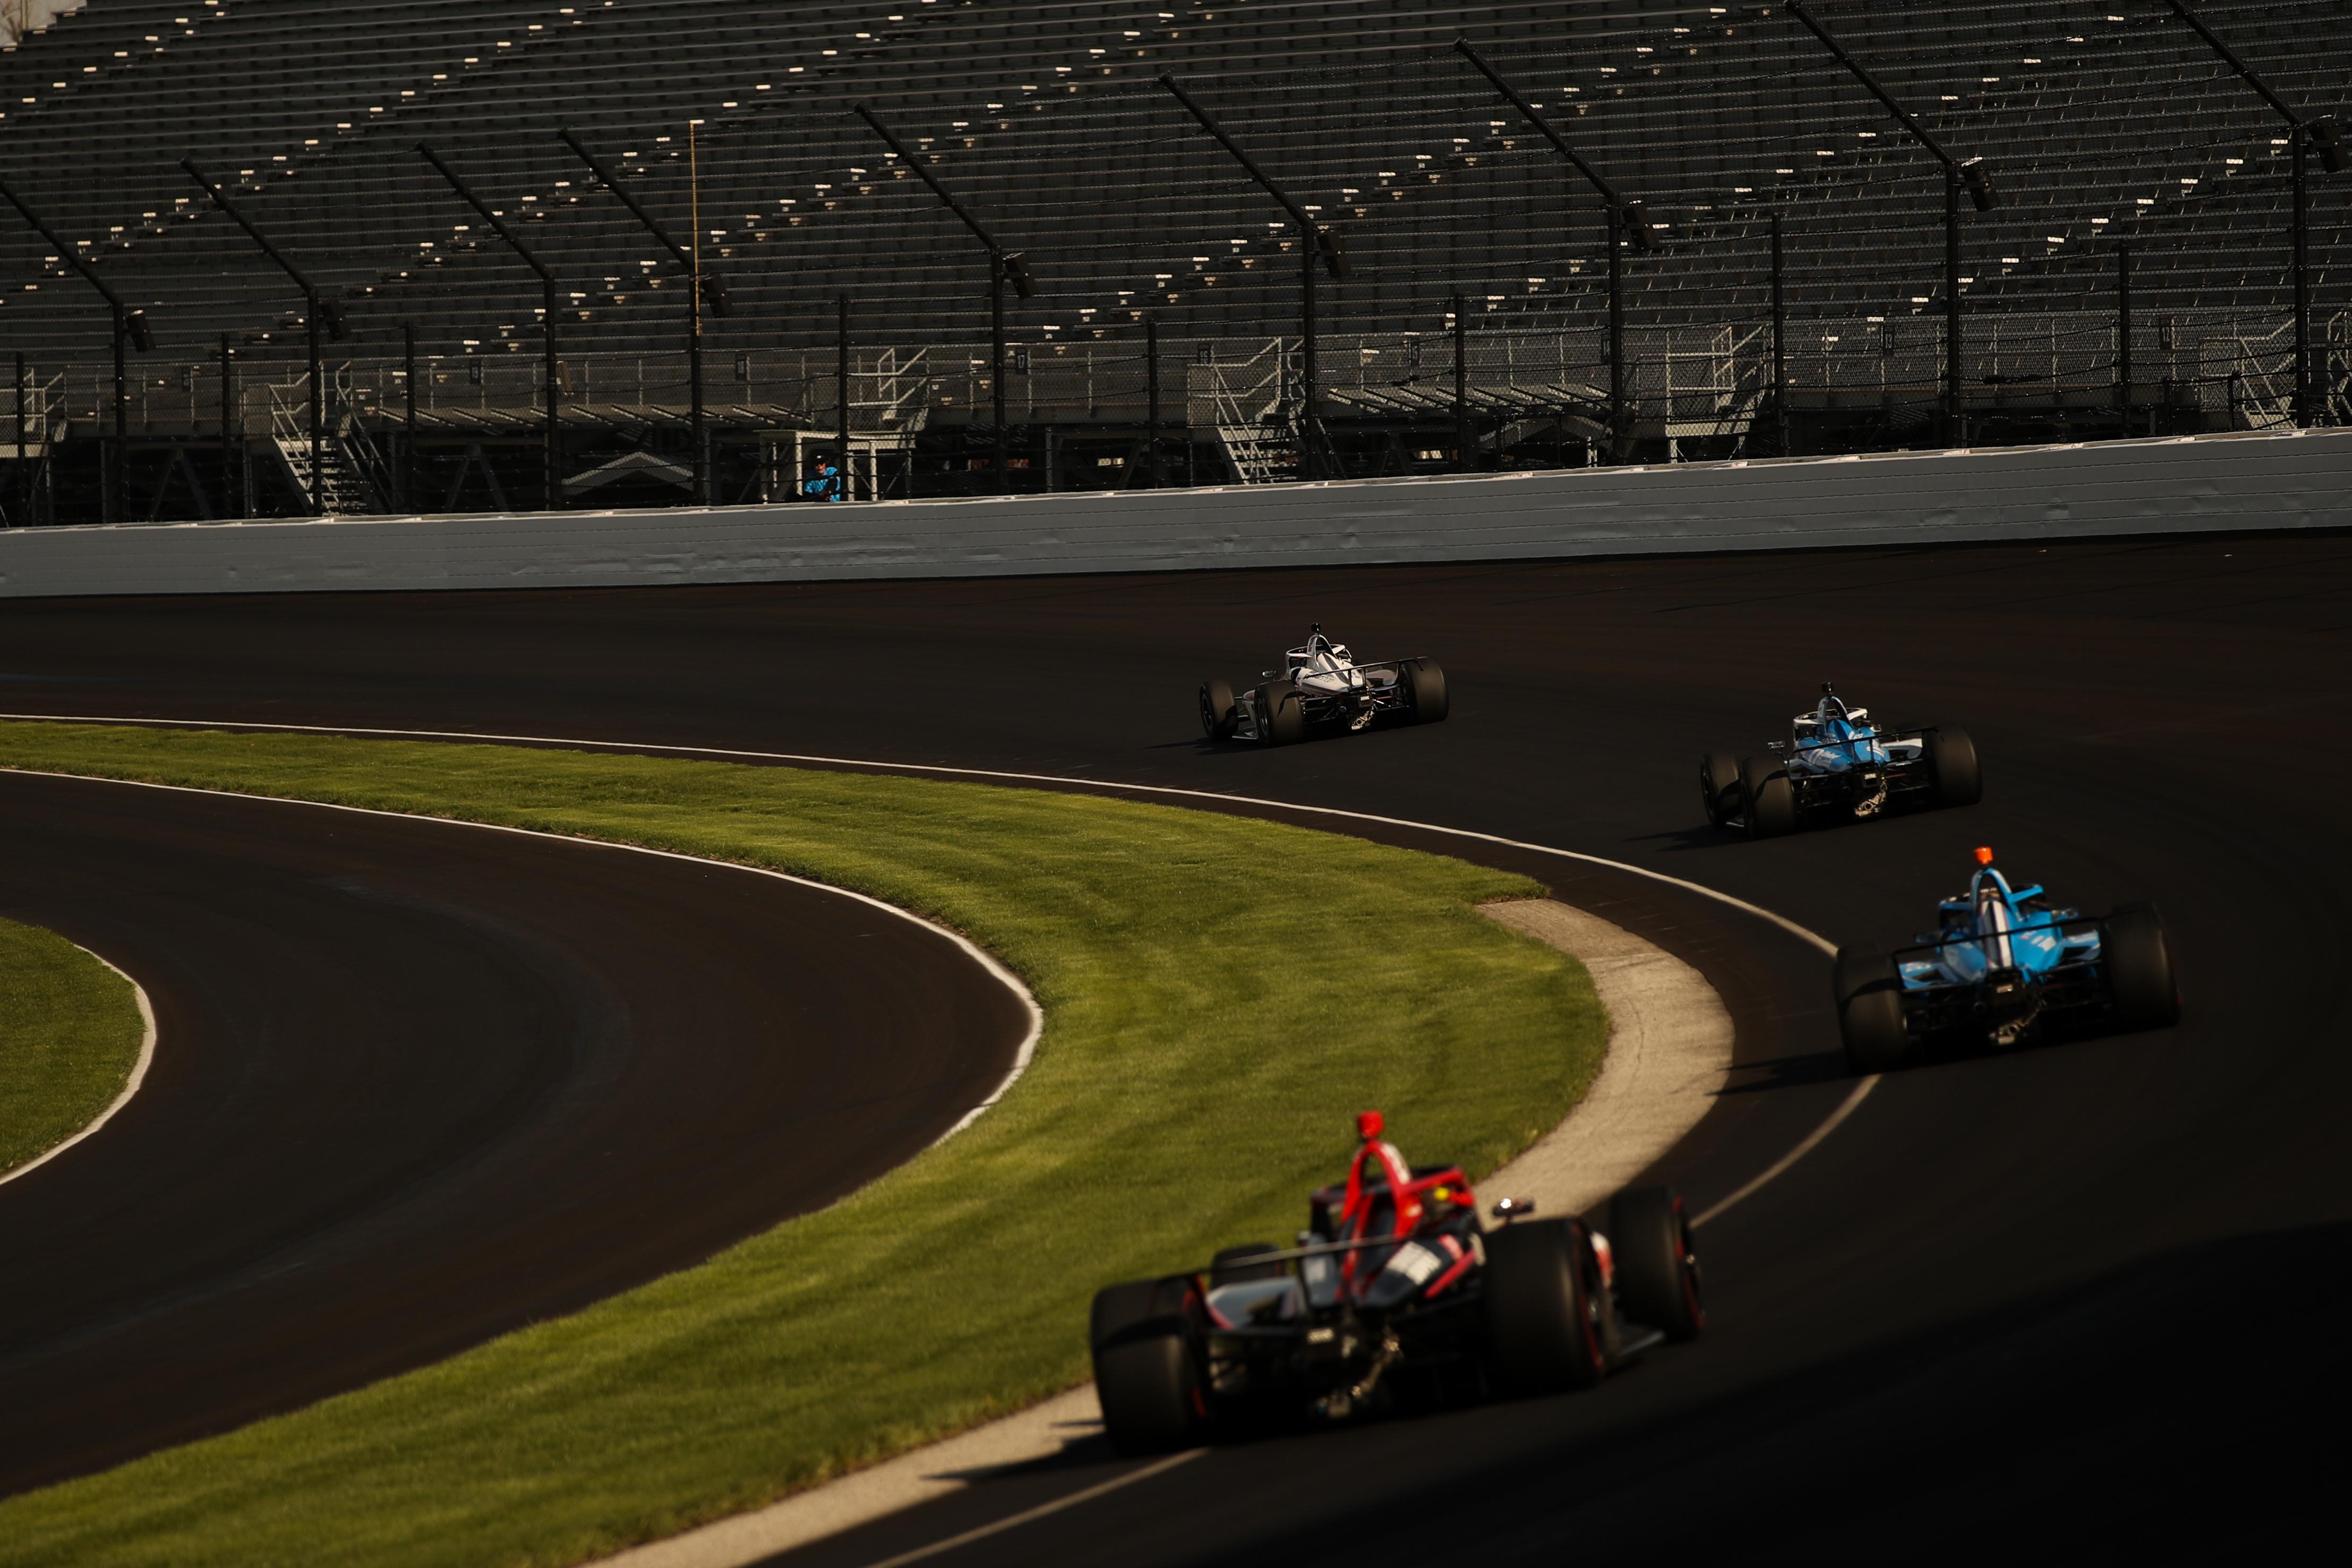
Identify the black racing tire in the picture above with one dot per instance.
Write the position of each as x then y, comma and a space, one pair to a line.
1281, 713
2141, 978
1657, 1262
1766, 799
1870, 1012
1425, 690
1718, 788
1548, 1324
1231, 1264
1218, 715
1146, 1372
1952, 764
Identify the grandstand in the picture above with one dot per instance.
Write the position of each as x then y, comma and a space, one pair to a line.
2101, 123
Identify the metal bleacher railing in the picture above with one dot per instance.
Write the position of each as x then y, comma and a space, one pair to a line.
2102, 123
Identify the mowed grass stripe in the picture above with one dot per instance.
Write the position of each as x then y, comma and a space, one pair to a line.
70, 1032
1220, 995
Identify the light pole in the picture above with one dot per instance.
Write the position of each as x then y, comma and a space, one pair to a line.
1957, 173
554, 457
130, 326
1316, 243
1627, 224
317, 308
2304, 137
703, 289
1003, 266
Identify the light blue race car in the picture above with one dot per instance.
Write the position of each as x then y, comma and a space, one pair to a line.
2003, 967
1839, 762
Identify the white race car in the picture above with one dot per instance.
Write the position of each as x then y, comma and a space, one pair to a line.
1324, 687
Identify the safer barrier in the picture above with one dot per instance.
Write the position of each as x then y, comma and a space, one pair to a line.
2294, 479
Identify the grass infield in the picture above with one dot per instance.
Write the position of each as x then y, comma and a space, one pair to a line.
69, 1035
1195, 1080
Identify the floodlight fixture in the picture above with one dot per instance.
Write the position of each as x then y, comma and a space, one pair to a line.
2329, 143
318, 311
703, 292
131, 329
1960, 175
1316, 243
1978, 184
1003, 266
552, 438
1629, 224
2304, 138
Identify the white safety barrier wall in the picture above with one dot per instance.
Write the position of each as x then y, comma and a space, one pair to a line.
2186, 485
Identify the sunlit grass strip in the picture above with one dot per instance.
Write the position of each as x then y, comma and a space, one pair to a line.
1219, 993
70, 1033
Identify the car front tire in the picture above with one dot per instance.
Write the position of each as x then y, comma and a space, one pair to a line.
1218, 715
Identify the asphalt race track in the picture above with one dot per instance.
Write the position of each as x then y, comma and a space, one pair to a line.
417, 1083
2090, 1290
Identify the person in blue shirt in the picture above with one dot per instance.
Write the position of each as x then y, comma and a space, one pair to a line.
823, 481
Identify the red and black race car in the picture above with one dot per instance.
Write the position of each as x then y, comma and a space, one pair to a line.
1395, 1294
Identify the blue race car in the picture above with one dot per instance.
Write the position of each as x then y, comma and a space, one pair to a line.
1838, 762
2003, 966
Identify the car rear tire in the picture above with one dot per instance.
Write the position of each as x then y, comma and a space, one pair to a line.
1870, 1012
1952, 764
1424, 686
1658, 1265
1766, 799
1718, 788
1281, 715
2140, 977
1145, 1373
1548, 1322
1217, 715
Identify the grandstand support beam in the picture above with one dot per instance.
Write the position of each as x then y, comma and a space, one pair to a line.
231, 487
847, 479
1462, 452
408, 418
2123, 337
316, 306
1627, 224
24, 469
1003, 266
130, 326
1958, 173
1152, 401
1316, 243
1780, 343
701, 287
553, 455
2303, 135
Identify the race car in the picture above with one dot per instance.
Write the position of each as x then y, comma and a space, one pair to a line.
1837, 763
1322, 686
1394, 1295
2003, 966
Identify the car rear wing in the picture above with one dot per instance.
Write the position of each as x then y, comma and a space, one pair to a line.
1360, 665
2035, 924
1890, 737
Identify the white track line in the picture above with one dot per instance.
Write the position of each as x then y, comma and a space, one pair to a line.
131, 1087
1013, 1520
1860, 1092
1804, 1147
978, 954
